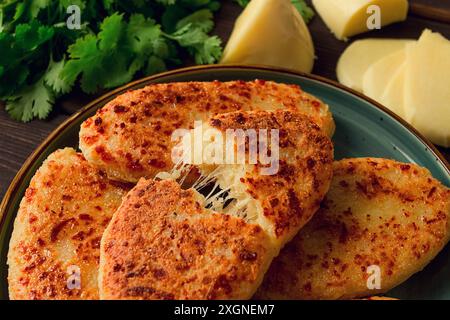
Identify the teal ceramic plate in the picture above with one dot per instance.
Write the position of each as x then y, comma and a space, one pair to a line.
364, 128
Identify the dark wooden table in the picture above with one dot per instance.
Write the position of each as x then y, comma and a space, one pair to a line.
18, 140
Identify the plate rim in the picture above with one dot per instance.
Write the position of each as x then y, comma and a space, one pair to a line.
16, 181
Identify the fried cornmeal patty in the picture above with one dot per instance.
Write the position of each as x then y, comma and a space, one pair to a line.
58, 229
163, 244
283, 200
378, 214
130, 137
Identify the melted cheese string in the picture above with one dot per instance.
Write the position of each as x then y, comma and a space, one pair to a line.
231, 200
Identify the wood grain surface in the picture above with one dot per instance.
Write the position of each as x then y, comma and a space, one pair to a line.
18, 140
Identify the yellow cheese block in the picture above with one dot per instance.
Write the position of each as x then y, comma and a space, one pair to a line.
271, 32
392, 97
427, 87
380, 73
360, 55
346, 18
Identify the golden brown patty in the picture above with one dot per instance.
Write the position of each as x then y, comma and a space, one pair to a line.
58, 229
377, 213
284, 202
130, 137
162, 244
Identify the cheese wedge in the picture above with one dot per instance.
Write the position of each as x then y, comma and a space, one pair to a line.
393, 95
360, 55
271, 32
377, 77
346, 18
427, 87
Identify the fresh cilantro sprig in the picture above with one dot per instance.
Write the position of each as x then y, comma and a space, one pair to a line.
306, 12
41, 59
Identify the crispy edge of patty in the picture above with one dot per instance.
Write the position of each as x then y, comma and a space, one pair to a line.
121, 137
59, 224
356, 228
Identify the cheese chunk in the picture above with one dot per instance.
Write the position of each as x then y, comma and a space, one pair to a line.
393, 95
427, 87
360, 55
271, 32
347, 18
378, 75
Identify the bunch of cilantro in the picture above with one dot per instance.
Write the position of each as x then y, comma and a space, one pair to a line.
118, 40
41, 58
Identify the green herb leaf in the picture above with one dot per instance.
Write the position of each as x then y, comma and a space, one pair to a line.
242, 3
100, 60
166, 2
30, 36
142, 33
32, 101
20, 52
155, 65
305, 11
205, 49
41, 59
37, 5
53, 77
209, 52
201, 19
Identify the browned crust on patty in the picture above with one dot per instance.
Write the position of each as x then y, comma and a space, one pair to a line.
377, 212
59, 224
130, 137
290, 197
162, 244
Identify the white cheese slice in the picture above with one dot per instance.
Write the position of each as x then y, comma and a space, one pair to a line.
360, 55
346, 18
427, 87
378, 75
393, 95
